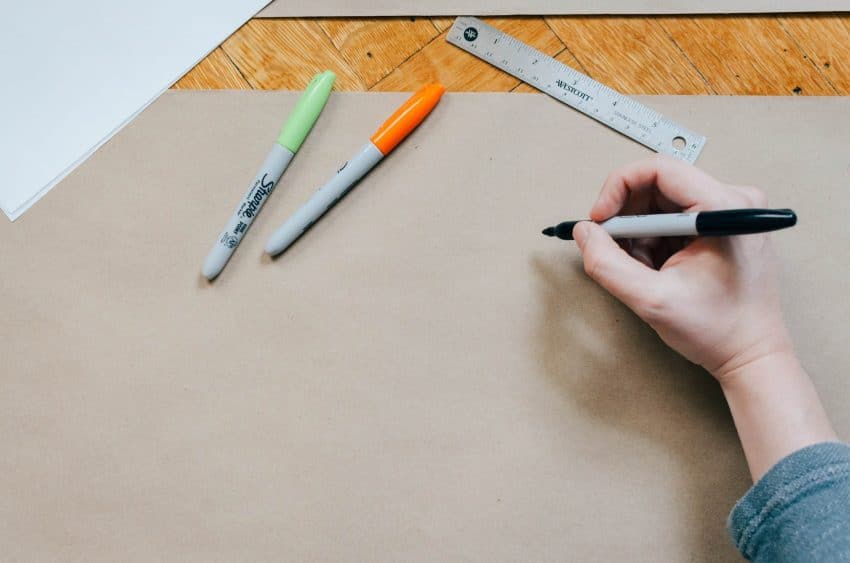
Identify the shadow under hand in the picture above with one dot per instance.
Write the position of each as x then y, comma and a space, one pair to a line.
604, 360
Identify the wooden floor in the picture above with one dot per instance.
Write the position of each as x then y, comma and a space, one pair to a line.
759, 55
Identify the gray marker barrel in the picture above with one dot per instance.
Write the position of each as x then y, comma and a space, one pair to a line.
646, 226
250, 205
324, 198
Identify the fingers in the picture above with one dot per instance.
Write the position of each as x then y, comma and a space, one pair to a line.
678, 185
627, 279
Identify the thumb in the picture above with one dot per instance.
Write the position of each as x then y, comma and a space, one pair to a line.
610, 266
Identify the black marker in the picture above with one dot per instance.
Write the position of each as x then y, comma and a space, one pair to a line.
704, 223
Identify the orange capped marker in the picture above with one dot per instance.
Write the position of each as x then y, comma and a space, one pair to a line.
388, 137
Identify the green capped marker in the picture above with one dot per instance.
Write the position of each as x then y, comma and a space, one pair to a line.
292, 136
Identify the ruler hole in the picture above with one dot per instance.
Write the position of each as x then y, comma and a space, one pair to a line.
679, 143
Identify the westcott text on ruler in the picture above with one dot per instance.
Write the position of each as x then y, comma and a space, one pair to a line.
577, 90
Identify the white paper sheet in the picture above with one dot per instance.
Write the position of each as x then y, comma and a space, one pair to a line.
76, 73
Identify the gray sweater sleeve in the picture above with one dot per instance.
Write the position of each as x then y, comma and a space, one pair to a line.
800, 510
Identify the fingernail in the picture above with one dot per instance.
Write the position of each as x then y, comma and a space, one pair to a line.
580, 233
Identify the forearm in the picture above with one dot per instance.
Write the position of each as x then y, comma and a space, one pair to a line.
776, 410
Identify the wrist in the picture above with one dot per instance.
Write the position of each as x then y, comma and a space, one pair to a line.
750, 368
771, 347
775, 407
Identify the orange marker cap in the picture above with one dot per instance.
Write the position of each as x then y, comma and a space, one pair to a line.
407, 117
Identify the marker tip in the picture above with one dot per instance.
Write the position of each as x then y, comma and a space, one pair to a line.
549, 231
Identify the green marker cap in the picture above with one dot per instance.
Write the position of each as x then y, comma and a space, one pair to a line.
306, 111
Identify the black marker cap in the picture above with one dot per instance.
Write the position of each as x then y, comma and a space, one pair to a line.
744, 221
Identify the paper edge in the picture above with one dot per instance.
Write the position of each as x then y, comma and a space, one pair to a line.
23, 207
280, 9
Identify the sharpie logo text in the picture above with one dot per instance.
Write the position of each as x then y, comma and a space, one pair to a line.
261, 192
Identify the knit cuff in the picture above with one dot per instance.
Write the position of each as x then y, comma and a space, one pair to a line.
796, 476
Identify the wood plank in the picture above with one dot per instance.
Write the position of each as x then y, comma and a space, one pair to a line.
826, 41
746, 55
736, 55
459, 70
632, 55
285, 54
216, 72
374, 48
443, 24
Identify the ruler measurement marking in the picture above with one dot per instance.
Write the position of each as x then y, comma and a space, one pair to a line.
577, 90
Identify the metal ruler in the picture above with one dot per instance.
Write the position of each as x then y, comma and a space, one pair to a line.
577, 90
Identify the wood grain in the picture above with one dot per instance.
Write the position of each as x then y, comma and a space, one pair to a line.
739, 54
826, 41
285, 54
728, 55
623, 52
373, 49
216, 71
460, 71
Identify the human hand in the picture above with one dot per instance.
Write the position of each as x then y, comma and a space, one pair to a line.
715, 299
